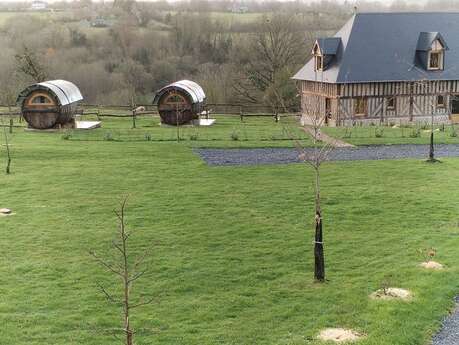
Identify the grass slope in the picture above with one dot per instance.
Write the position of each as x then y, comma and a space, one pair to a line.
386, 135
231, 247
227, 131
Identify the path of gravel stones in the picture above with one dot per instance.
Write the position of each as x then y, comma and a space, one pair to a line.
289, 155
449, 333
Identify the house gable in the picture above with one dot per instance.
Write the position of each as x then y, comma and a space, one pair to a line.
381, 47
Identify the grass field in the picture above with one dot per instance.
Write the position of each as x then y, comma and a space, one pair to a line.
385, 135
228, 131
24, 15
231, 247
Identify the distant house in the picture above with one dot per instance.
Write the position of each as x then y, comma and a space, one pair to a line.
238, 8
100, 22
385, 67
39, 5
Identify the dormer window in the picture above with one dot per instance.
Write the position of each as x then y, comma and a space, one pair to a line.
431, 51
436, 56
318, 58
319, 63
324, 52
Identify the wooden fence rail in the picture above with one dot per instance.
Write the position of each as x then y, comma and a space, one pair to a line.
128, 111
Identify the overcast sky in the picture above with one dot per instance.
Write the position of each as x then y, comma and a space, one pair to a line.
380, 1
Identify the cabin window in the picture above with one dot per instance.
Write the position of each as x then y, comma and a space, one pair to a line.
441, 101
174, 99
41, 99
391, 103
360, 106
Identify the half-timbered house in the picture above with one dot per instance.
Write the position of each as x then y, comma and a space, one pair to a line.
385, 67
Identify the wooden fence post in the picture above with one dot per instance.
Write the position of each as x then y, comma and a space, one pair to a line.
241, 114
11, 125
134, 108
133, 118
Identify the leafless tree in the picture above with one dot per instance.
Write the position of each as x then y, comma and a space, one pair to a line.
128, 271
272, 51
425, 86
28, 63
314, 115
7, 148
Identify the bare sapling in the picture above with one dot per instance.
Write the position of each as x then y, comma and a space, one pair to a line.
425, 86
128, 271
314, 116
7, 149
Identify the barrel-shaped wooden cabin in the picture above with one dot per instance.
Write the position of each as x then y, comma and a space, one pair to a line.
180, 102
50, 104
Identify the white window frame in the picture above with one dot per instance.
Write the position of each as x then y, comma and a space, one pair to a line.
437, 48
318, 58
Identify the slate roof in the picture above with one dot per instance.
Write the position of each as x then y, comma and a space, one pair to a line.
427, 38
382, 47
65, 91
193, 89
329, 46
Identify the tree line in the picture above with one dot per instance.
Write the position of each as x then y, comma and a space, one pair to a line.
138, 47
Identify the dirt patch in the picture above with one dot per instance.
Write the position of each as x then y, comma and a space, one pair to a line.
5, 212
432, 265
339, 335
392, 293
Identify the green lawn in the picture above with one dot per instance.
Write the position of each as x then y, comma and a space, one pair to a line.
231, 247
386, 135
228, 131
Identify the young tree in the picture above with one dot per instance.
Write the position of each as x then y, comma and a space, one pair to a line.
7, 148
313, 109
425, 85
128, 270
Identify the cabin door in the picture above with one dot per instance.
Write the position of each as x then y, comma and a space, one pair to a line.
455, 109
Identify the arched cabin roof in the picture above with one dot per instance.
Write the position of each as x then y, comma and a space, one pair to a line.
195, 92
64, 91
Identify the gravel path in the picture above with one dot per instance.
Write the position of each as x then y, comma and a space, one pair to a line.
290, 155
449, 334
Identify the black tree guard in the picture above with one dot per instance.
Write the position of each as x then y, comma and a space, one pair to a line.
319, 261
432, 158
